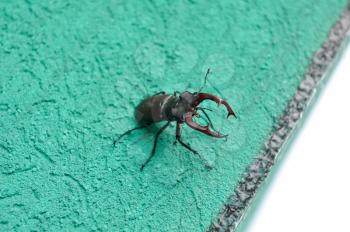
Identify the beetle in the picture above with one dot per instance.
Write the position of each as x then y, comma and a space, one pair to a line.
179, 108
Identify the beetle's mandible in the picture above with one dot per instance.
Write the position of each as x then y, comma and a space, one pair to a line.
179, 108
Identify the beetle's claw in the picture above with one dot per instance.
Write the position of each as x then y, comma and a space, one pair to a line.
206, 96
231, 114
204, 129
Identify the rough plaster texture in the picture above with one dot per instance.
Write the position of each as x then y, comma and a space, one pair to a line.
71, 74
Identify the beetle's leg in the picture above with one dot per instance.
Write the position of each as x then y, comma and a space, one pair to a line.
206, 96
178, 138
160, 93
204, 108
128, 132
207, 116
155, 144
176, 92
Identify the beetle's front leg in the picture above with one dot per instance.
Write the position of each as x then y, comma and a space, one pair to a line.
177, 92
178, 138
160, 93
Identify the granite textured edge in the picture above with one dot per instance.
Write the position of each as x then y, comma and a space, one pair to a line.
233, 211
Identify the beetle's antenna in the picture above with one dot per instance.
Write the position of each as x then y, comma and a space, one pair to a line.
205, 80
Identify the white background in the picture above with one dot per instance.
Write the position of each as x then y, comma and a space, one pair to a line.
310, 190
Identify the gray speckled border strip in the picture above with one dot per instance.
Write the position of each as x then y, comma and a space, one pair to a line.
233, 211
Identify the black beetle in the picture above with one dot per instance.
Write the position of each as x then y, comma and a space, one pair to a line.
178, 107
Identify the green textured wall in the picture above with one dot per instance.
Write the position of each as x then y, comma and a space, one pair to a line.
71, 73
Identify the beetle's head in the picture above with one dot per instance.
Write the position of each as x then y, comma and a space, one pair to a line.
187, 99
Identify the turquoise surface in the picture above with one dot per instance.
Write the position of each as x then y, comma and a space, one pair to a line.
72, 72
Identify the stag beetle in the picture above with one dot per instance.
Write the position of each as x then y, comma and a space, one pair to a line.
178, 107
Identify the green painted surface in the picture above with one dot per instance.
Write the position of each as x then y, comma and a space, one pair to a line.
71, 74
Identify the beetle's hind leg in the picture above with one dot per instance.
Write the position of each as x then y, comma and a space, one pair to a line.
155, 144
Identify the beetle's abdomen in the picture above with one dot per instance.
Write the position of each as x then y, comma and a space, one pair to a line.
154, 109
